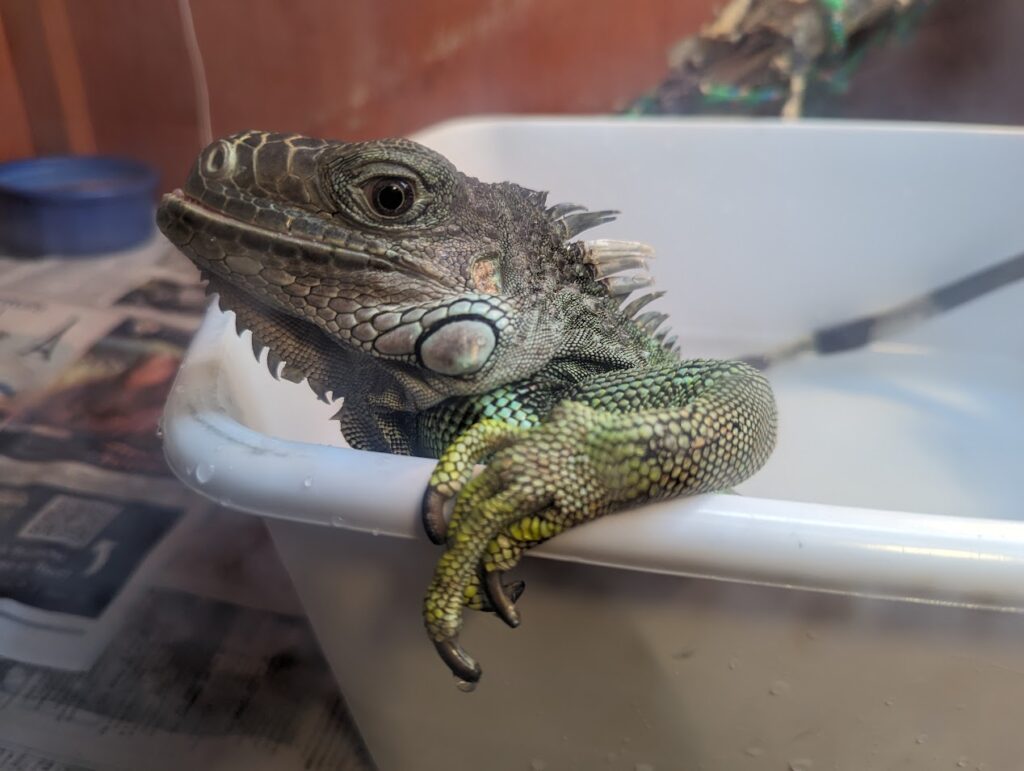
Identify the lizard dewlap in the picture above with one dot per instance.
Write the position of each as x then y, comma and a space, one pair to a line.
461, 320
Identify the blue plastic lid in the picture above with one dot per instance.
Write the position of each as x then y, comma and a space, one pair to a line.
76, 177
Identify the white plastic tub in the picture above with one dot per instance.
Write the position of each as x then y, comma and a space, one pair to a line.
897, 477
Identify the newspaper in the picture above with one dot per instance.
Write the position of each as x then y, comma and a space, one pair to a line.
139, 626
71, 564
252, 692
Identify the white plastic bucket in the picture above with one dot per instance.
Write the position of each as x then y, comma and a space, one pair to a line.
896, 478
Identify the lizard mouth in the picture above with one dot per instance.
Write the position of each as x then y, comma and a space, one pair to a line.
206, 233
455, 338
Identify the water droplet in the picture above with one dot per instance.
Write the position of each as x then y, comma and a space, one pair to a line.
889, 702
612, 756
643, 767
307, 482
801, 764
464, 685
754, 752
204, 473
733, 663
921, 738
538, 765
779, 688
338, 521
963, 763
811, 635
375, 531
160, 428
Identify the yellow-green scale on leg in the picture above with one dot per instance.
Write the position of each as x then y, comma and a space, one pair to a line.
619, 439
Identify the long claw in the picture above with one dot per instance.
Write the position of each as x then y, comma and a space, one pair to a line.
459, 662
433, 515
515, 590
503, 605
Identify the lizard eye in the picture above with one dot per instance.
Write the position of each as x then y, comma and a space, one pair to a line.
389, 196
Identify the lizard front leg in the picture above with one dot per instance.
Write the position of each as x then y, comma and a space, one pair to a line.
619, 439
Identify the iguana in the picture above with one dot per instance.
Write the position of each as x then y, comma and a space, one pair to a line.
461, 320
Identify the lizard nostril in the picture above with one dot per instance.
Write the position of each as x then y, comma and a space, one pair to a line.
220, 159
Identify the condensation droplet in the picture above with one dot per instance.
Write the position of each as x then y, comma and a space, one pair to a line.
801, 764
537, 765
375, 531
963, 763
733, 663
889, 702
338, 521
160, 428
779, 688
204, 473
307, 482
643, 767
464, 685
921, 738
754, 752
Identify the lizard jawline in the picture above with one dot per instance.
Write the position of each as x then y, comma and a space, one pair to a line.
210, 219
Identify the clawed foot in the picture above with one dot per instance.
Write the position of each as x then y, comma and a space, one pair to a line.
538, 482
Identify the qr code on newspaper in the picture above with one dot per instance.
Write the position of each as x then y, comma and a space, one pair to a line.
70, 521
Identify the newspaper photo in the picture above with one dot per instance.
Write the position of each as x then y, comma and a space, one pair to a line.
39, 339
105, 409
69, 565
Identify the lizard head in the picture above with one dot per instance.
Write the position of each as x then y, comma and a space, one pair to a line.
385, 247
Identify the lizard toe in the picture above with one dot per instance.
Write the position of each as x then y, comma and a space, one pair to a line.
462, 665
434, 522
502, 604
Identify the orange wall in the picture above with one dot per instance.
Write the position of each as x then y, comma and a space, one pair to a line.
114, 75
15, 138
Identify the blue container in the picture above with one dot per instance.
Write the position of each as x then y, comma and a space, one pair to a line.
75, 205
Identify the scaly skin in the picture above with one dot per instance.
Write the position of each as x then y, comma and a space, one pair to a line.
460, 320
